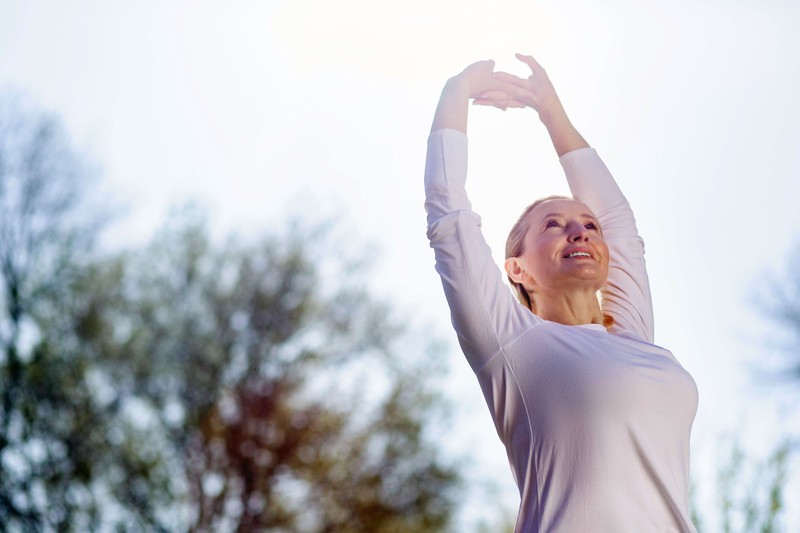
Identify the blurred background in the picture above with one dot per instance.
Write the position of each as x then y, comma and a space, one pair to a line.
218, 308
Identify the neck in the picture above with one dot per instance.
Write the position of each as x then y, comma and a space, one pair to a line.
571, 309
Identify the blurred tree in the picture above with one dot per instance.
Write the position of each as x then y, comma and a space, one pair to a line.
750, 495
196, 386
248, 360
783, 308
48, 420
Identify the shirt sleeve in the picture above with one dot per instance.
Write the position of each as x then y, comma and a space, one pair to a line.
626, 296
484, 312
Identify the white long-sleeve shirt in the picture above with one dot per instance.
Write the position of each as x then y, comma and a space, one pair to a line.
595, 422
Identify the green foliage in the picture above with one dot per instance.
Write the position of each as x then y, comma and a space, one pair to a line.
197, 386
750, 495
49, 423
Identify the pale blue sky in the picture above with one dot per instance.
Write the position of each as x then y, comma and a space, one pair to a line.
261, 109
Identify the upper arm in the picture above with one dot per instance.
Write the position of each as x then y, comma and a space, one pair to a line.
483, 310
626, 296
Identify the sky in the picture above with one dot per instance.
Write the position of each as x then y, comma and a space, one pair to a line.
265, 110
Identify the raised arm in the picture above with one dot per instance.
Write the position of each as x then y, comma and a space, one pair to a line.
444, 184
538, 93
627, 294
483, 310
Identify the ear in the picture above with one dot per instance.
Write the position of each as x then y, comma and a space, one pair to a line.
515, 270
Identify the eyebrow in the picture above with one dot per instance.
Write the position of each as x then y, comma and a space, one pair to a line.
585, 215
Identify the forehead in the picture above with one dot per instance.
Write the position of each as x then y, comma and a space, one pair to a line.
560, 206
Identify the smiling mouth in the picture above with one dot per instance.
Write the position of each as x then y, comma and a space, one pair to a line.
578, 254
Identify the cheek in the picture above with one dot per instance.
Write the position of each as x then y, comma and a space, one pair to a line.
533, 253
538, 257
543, 246
605, 252
604, 249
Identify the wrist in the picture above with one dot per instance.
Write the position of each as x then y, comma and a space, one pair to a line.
451, 113
457, 86
553, 114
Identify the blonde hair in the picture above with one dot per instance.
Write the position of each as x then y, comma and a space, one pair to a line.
515, 247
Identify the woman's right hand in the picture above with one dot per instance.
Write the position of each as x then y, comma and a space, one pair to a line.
474, 82
479, 82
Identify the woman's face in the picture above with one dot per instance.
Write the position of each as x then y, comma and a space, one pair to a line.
564, 248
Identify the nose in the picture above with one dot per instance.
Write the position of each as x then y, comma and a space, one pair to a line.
577, 232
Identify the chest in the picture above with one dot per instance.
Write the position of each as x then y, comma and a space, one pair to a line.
587, 377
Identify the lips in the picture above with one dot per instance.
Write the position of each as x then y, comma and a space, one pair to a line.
578, 253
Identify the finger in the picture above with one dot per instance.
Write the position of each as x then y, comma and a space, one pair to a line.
490, 103
515, 103
509, 78
502, 98
501, 90
482, 101
509, 88
530, 61
495, 95
482, 63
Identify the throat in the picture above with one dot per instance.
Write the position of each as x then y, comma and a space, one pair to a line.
569, 310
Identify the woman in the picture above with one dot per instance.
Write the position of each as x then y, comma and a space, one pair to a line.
595, 417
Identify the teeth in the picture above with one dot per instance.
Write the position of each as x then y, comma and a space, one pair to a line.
575, 254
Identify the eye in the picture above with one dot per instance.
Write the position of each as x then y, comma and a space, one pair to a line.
592, 226
552, 223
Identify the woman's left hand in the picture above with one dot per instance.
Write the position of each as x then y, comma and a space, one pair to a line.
536, 91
